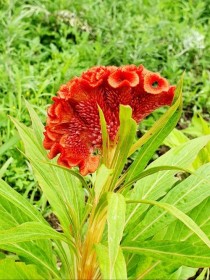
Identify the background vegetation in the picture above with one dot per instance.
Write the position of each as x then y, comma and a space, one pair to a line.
44, 43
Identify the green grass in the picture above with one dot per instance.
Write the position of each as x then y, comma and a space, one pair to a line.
44, 43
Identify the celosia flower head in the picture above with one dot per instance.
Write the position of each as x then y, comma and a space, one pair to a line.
73, 125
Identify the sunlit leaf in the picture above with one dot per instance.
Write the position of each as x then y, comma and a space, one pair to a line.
9, 269
119, 270
127, 133
116, 222
158, 184
179, 215
30, 231
182, 253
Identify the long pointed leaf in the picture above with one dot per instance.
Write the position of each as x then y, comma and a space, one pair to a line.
159, 184
9, 269
127, 133
179, 215
116, 222
31, 231
119, 271
182, 253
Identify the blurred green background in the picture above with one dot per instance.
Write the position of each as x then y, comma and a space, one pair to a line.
44, 43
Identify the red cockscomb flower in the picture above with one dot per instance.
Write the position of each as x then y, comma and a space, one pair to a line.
73, 126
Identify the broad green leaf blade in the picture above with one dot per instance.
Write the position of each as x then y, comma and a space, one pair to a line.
119, 271
33, 253
60, 188
16, 210
9, 269
19, 202
157, 185
151, 268
185, 196
182, 253
50, 183
183, 272
175, 138
181, 216
116, 222
7, 221
26, 240
31, 231
155, 136
178, 232
127, 132
38, 129
72, 172
198, 126
151, 171
103, 259
202, 218
103, 174
4, 167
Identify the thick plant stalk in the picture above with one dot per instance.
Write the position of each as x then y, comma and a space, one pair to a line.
88, 266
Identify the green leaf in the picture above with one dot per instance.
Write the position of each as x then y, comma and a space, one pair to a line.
72, 172
5, 166
185, 196
103, 259
178, 232
151, 171
155, 136
2, 256
151, 268
16, 210
175, 138
201, 216
119, 270
19, 202
9, 269
30, 231
9, 144
183, 272
37, 125
179, 215
116, 222
182, 253
63, 191
157, 185
198, 126
33, 253
103, 173
127, 134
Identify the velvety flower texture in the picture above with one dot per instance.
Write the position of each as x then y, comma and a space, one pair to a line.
73, 125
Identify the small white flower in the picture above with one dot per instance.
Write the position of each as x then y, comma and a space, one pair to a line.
194, 40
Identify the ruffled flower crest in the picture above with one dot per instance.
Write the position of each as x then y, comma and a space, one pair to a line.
73, 125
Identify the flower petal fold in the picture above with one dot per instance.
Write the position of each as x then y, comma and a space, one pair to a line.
121, 78
155, 84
